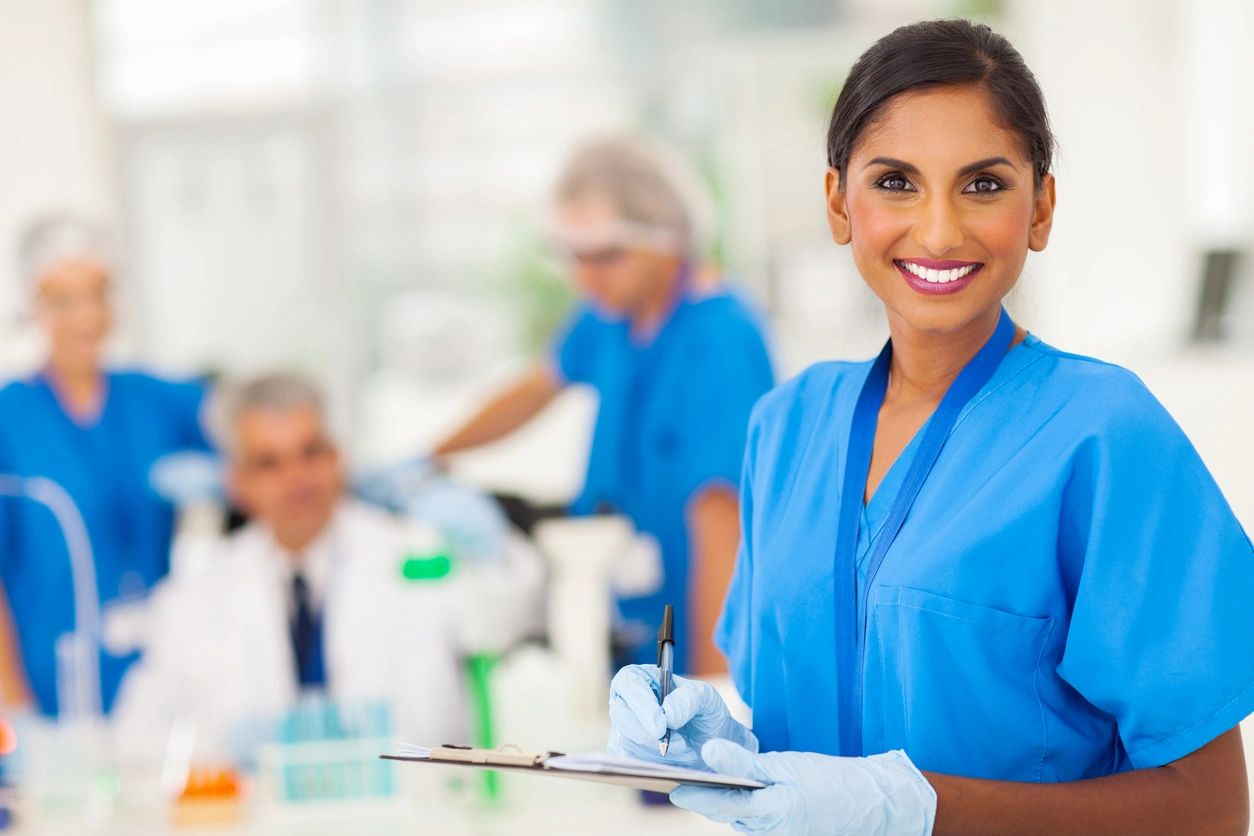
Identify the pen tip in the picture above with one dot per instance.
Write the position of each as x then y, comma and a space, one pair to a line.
662, 747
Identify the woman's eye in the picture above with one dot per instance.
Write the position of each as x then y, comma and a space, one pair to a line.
984, 185
893, 183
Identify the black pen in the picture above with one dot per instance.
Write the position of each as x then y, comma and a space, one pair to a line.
666, 666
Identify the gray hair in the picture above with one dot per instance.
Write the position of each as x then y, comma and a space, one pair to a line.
59, 238
648, 186
271, 392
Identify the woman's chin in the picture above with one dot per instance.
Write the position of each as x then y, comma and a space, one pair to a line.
940, 315
78, 360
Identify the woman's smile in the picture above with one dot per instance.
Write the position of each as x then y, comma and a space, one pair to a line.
930, 276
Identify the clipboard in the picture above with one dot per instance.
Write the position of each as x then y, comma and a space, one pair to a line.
597, 767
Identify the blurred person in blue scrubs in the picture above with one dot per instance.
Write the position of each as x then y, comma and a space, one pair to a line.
315, 593
678, 360
986, 586
97, 432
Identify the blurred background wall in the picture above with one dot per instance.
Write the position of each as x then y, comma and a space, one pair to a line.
356, 187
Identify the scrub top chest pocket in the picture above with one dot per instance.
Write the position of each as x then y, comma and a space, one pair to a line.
947, 678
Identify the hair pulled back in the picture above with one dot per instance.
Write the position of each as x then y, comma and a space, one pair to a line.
935, 53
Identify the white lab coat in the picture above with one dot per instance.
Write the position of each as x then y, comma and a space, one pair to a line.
219, 652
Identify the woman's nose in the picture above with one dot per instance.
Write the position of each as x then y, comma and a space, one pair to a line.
938, 228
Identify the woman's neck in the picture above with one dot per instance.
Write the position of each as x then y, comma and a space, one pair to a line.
925, 363
80, 387
649, 317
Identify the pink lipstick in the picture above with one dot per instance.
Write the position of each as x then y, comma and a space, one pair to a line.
934, 277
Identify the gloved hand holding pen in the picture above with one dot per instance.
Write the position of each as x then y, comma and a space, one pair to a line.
882, 795
693, 711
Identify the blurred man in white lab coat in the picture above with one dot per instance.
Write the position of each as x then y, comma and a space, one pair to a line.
315, 593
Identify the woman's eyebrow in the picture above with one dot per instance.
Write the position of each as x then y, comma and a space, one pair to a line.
979, 164
894, 163
970, 168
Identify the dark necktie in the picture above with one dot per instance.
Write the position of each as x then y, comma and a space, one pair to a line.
306, 630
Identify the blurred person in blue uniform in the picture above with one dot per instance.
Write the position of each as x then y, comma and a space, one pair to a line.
986, 586
678, 360
96, 432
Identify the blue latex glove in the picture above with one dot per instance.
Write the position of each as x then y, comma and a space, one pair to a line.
392, 486
472, 523
187, 477
693, 711
883, 795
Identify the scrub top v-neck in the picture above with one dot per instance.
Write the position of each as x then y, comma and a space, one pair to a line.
875, 513
103, 462
1069, 596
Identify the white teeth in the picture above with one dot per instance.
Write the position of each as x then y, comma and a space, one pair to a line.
938, 276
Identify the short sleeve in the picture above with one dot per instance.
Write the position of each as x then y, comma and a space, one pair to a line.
574, 346
733, 373
1162, 631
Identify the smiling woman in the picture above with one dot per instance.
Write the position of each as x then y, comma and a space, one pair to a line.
961, 210
985, 586
943, 228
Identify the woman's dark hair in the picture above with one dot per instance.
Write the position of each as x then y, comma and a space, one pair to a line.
931, 54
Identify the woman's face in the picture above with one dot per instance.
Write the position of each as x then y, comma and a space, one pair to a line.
941, 208
74, 310
612, 269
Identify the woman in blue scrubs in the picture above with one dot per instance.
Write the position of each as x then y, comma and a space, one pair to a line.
677, 360
96, 432
985, 586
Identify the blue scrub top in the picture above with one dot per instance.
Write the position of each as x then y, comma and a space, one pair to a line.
104, 466
1069, 597
671, 422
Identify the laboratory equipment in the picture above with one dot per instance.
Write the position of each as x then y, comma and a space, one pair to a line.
71, 770
211, 795
78, 653
323, 751
581, 553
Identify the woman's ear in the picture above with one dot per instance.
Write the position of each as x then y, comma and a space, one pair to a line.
837, 210
1042, 215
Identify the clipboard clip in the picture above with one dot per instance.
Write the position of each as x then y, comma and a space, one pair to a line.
501, 756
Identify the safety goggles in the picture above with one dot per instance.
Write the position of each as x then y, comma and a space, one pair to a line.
606, 246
